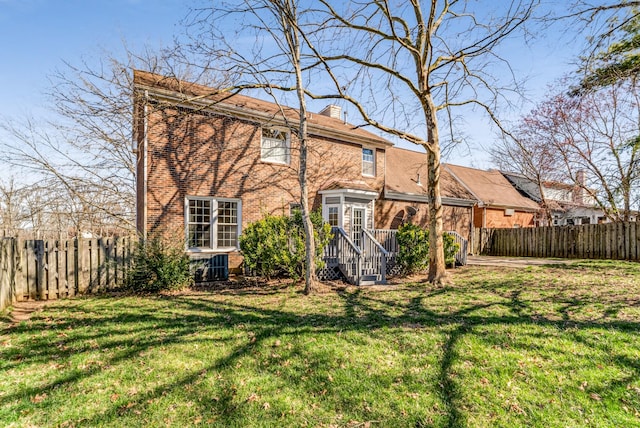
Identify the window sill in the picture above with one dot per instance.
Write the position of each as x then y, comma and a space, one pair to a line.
275, 162
211, 250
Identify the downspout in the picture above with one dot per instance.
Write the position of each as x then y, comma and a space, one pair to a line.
144, 165
141, 170
472, 233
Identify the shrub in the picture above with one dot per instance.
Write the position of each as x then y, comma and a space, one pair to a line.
413, 251
159, 264
264, 246
413, 248
275, 246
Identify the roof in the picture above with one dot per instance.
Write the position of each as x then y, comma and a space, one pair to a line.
406, 178
236, 105
348, 185
491, 188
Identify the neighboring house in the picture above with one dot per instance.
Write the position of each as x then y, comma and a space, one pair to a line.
568, 204
209, 164
499, 205
405, 195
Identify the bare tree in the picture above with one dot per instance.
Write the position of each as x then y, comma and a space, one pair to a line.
13, 214
521, 151
405, 67
277, 67
82, 152
596, 133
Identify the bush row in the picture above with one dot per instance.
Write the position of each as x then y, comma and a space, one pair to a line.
271, 247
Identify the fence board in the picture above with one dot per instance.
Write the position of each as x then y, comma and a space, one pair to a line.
595, 241
53, 269
7, 272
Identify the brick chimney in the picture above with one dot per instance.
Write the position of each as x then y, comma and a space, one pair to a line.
332, 110
578, 191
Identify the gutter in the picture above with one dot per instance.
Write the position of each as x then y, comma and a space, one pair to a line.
414, 197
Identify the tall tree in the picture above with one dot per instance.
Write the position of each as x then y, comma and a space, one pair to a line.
406, 66
521, 152
82, 150
594, 133
613, 54
277, 66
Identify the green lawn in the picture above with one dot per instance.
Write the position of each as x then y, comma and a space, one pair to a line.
532, 347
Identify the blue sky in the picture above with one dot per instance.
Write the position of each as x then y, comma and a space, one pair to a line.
37, 35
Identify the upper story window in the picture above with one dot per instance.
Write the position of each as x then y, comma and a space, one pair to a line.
368, 162
212, 223
275, 146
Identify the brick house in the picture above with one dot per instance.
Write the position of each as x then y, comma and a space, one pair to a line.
209, 164
568, 204
499, 205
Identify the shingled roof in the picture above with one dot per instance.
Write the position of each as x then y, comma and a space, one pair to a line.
406, 179
191, 94
491, 188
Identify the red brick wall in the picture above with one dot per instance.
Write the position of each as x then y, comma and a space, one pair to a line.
201, 154
496, 218
390, 214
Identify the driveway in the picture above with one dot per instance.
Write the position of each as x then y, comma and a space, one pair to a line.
514, 261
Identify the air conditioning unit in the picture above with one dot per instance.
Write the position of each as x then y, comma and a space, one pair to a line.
509, 212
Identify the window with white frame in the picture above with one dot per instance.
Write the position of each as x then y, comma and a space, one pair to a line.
334, 220
212, 223
275, 146
368, 162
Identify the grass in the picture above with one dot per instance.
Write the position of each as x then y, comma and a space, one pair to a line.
537, 347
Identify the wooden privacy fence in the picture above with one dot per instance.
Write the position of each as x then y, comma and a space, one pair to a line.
53, 269
618, 241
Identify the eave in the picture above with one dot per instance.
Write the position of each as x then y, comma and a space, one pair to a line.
177, 99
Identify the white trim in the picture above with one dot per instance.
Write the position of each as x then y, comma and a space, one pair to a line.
343, 192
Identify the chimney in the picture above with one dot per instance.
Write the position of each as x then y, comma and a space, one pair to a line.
332, 110
579, 192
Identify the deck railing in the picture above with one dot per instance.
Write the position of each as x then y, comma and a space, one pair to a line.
374, 258
461, 254
346, 254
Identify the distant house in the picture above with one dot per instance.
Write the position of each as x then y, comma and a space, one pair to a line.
499, 204
208, 164
405, 195
568, 204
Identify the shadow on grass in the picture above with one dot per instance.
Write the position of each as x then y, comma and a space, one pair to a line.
122, 334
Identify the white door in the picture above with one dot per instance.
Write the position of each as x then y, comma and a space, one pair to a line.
357, 224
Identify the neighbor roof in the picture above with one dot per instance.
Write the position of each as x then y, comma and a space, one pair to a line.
236, 105
491, 188
406, 179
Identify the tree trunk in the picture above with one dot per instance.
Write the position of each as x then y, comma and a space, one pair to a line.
291, 33
437, 268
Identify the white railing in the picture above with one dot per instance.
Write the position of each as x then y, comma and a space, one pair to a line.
345, 254
375, 258
461, 254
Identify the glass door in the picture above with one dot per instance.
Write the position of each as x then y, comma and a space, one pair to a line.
357, 223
